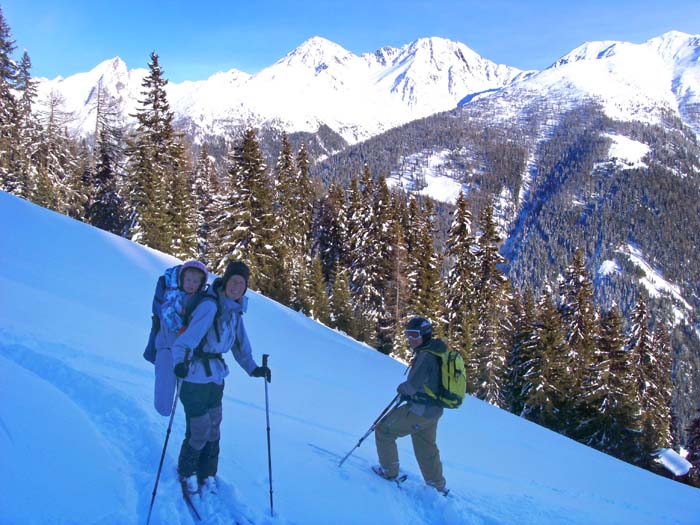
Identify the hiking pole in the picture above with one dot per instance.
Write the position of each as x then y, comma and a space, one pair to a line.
390, 406
165, 446
269, 455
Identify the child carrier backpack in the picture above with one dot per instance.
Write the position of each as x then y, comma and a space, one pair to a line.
149, 354
453, 380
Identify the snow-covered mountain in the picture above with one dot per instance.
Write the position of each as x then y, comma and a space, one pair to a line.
645, 82
318, 82
80, 441
361, 96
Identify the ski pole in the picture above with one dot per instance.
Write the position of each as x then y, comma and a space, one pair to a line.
269, 455
390, 406
165, 446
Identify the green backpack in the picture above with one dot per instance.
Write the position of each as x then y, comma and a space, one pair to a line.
453, 375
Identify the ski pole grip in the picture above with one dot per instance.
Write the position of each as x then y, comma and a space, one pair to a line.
265, 356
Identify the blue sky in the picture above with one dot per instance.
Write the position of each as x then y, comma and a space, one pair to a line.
197, 39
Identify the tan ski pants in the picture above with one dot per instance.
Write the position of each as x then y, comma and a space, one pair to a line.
399, 423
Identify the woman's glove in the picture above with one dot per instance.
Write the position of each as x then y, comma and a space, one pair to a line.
181, 370
262, 371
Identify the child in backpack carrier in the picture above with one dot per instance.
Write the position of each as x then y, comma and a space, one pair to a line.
178, 286
181, 282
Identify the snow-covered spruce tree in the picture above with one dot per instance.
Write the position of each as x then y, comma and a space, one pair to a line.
341, 304
294, 210
331, 231
320, 307
613, 424
547, 375
8, 110
206, 191
424, 284
581, 324
397, 290
359, 220
182, 214
153, 162
106, 208
693, 447
27, 130
58, 178
491, 303
522, 338
246, 230
659, 408
104, 179
460, 290
371, 261
645, 362
385, 257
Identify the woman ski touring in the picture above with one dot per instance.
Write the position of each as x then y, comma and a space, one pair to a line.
216, 326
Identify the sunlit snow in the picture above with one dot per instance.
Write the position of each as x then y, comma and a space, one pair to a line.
80, 440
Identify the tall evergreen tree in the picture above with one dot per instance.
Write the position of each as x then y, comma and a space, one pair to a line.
613, 423
547, 378
578, 313
460, 301
423, 263
8, 109
320, 307
155, 158
693, 447
522, 339
342, 308
182, 217
397, 289
331, 231
491, 304
206, 191
247, 230
643, 357
659, 409
27, 132
57, 179
106, 208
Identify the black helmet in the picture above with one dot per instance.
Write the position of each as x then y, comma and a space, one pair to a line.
422, 325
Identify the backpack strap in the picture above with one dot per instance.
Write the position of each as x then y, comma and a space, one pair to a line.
205, 357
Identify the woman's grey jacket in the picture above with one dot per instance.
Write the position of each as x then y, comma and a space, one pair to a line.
219, 333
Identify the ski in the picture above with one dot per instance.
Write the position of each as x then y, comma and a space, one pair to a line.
398, 480
188, 501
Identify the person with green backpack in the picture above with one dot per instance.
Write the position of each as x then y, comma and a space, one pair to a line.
436, 380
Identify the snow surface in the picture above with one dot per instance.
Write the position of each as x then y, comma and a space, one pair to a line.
608, 267
432, 171
80, 440
655, 283
627, 152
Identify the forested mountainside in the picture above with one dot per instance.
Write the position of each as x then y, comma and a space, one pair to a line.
556, 186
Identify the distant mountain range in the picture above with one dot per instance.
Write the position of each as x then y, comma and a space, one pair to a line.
361, 96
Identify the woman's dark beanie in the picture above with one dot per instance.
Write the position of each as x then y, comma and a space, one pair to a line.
236, 268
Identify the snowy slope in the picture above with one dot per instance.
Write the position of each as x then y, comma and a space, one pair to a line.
80, 441
318, 82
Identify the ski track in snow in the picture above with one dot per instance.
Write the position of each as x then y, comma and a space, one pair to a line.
426, 505
139, 438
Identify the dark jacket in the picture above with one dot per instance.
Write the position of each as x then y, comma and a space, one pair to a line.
425, 370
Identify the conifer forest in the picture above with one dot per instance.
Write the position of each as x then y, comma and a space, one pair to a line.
543, 336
